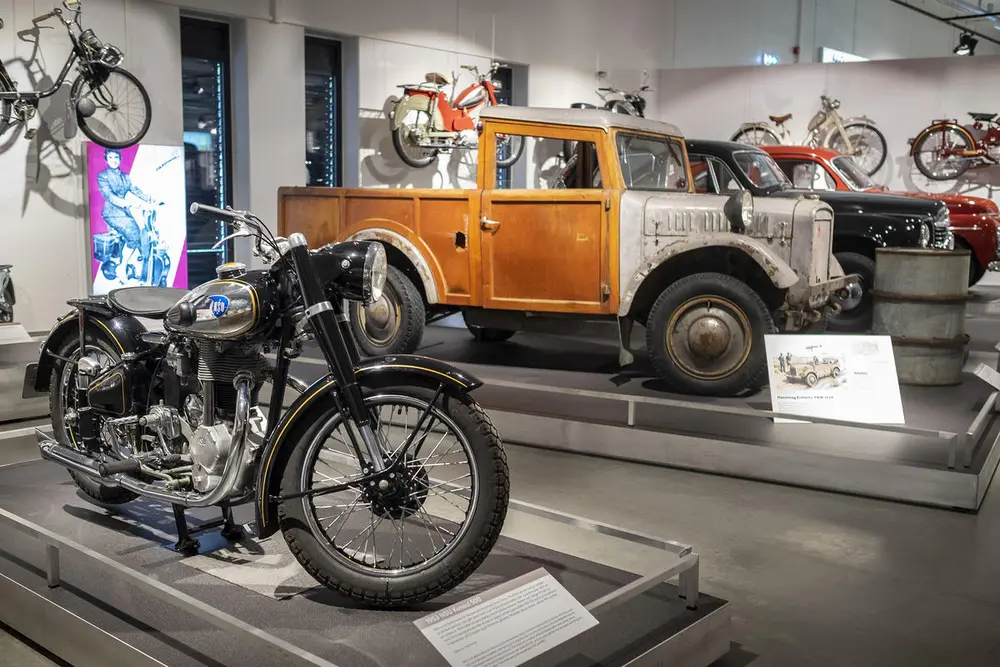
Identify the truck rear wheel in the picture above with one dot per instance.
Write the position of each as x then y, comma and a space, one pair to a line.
395, 323
705, 335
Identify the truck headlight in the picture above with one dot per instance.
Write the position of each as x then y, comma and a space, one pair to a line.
739, 211
925, 235
375, 272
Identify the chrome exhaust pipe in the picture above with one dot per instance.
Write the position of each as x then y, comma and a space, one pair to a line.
236, 464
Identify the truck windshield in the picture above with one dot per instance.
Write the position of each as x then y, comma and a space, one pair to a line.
762, 171
652, 163
852, 173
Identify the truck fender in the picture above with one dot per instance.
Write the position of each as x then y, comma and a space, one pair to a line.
316, 402
937, 126
405, 246
780, 273
406, 104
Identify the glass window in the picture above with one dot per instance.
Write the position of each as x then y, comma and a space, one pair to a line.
761, 170
712, 176
580, 171
855, 176
323, 75
205, 78
808, 175
651, 163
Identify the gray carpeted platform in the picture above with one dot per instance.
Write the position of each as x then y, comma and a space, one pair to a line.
139, 534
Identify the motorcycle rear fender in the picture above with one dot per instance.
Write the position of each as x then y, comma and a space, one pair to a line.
121, 330
317, 402
937, 126
412, 101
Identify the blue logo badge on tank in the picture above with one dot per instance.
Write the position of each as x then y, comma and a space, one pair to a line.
218, 305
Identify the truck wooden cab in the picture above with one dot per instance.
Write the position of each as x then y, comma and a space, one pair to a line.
708, 276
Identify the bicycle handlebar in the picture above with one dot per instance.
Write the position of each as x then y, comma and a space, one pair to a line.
45, 17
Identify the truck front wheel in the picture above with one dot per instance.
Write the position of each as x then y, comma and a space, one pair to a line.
705, 335
395, 323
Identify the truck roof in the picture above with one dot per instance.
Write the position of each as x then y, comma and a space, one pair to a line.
601, 119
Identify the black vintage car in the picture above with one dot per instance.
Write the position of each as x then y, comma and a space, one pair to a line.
862, 221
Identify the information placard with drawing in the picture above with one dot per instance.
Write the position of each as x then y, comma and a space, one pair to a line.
507, 625
838, 377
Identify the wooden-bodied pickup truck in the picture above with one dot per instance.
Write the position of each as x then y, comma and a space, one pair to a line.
708, 276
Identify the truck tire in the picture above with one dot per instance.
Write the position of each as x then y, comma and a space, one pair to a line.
856, 313
705, 335
488, 334
395, 323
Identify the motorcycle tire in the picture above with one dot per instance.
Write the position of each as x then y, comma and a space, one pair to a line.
398, 140
769, 138
838, 142
87, 124
516, 144
923, 168
90, 486
387, 587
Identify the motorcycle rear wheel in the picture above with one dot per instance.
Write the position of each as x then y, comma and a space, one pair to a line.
922, 158
382, 579
407, 147
62, 380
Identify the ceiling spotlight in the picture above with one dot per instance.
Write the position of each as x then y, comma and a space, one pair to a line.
966, 45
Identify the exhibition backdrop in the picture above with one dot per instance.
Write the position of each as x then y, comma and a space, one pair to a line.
901, 96
137, 214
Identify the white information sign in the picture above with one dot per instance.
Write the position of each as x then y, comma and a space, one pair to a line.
508, 624
838, 377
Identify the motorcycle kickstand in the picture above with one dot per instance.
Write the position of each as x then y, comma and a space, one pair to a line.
231, 530
186, 544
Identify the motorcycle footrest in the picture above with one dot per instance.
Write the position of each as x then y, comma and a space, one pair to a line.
118, 467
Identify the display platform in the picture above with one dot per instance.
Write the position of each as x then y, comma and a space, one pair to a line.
253, 606
17, 349
568, 393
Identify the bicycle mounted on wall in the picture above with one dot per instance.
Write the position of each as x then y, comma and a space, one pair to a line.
96, 94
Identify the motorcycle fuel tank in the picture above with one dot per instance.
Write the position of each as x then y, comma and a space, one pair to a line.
222, 309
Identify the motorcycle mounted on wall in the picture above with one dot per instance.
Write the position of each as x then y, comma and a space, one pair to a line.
857, 137
944, 150
111, 105
393, 443
426, 120
7, 296
630, 103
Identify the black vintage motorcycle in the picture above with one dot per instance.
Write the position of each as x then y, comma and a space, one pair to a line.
393, 443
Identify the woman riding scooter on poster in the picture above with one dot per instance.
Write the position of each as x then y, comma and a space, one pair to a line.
120, 214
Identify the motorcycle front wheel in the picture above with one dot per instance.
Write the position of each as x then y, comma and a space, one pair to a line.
112, 107
412, 536
869, 145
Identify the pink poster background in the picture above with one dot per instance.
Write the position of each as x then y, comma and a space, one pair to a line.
171, 217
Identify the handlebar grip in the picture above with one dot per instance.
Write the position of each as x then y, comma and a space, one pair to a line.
43, 17
206, 211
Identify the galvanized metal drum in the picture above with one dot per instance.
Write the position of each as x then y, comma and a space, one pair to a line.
919, 300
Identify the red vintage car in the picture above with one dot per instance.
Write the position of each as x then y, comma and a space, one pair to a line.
974, 220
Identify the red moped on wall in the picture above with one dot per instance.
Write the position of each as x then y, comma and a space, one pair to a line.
944, 150
426, 121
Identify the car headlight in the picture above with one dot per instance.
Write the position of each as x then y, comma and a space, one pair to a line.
925, 235
739, 211
375, 272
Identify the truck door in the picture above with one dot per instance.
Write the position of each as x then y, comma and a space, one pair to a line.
544, 243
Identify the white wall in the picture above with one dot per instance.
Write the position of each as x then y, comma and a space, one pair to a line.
741, 31
900, 96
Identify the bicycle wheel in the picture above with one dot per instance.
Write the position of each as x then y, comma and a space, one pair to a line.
869, 145
121, 108
940, 154
757, 135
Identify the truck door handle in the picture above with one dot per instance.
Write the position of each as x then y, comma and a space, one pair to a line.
488, 225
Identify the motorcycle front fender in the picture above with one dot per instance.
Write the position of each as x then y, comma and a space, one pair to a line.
314, 404
411, 101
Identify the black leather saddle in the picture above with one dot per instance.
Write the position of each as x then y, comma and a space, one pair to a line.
982, 116
151, 302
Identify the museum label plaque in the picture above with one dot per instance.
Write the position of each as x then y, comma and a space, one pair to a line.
837, 377
508, 624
